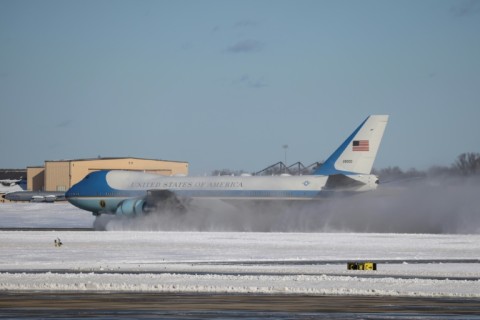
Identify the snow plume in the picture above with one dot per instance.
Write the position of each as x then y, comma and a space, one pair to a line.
449, 205
426, 206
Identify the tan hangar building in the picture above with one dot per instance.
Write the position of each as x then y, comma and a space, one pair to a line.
62, 174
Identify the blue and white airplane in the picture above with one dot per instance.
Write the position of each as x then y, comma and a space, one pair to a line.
130, 193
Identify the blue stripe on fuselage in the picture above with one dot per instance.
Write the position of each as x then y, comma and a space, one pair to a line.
247, 193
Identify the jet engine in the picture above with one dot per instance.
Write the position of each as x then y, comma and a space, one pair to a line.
131, 207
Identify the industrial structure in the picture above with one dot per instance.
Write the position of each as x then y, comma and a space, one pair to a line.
60, 175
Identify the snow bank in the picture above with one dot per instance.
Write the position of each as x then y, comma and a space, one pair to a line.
210, 283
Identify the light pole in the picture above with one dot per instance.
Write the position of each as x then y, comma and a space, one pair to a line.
285, 147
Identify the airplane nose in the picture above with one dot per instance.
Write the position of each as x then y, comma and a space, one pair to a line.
68, 194
71, 193
72, 196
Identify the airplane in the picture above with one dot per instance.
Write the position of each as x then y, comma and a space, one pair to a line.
129, 193
35, 196
10, 182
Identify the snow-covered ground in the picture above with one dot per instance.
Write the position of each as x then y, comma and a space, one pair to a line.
234, 262
43, 215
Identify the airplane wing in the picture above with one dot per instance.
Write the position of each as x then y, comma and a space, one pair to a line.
161, 199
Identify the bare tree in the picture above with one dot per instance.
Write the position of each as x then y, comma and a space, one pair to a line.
468, 164
395, 173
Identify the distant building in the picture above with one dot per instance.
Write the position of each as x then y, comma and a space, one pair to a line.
60, 175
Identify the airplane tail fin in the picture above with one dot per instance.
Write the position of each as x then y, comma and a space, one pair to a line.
357, 154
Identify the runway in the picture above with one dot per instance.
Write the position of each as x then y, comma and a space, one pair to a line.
30, 305
181, 271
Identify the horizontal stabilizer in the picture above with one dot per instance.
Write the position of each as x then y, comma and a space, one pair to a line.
341, 182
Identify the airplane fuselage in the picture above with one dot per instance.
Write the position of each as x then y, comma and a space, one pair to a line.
35, 196
103, 191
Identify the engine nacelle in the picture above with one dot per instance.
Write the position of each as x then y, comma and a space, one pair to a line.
131, 207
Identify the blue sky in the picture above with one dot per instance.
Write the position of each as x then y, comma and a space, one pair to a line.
225, 84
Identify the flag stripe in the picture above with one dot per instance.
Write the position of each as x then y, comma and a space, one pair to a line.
360, 145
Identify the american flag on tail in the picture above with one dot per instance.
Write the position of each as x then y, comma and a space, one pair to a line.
360, 145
